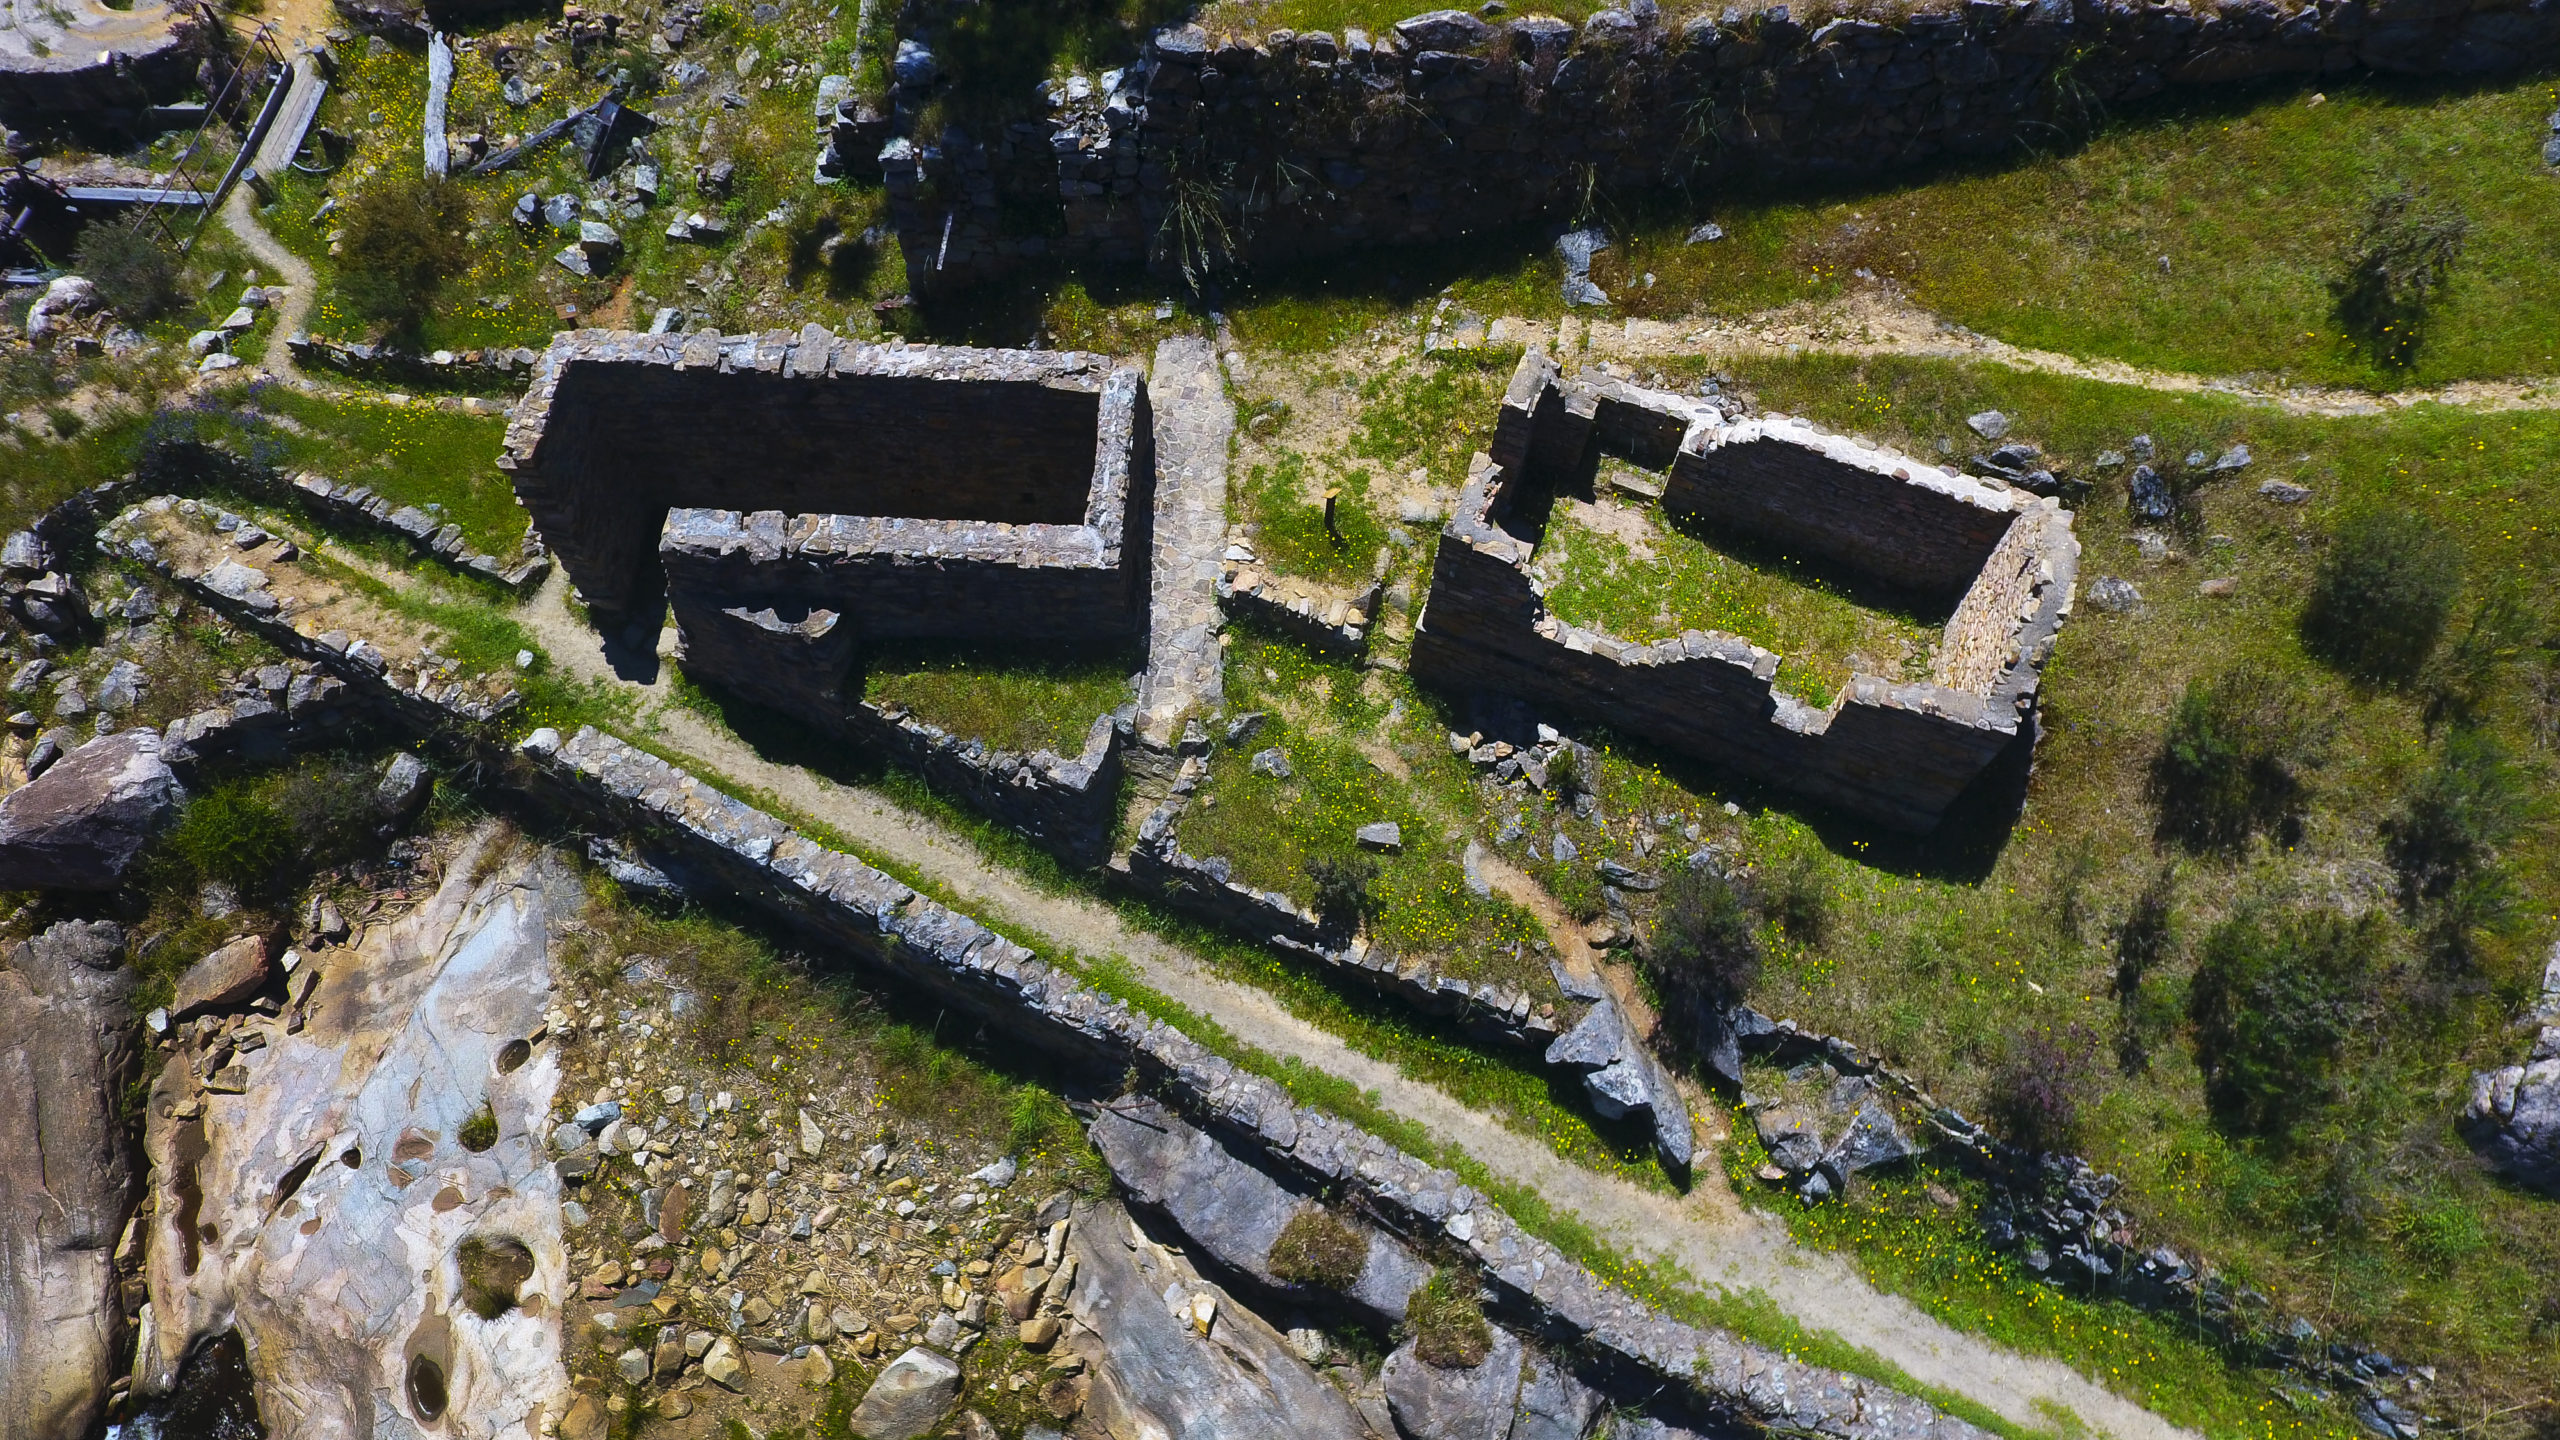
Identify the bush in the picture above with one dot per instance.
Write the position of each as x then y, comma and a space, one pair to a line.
2235, 760
1797, 896
2503, 629
1705, 953
232, 835
399, 237
1447, 1321
1343, 882
1317, 1248
2382, 594
2452, 819
2273, 1003
2399, 262
136, 275
2038, 1091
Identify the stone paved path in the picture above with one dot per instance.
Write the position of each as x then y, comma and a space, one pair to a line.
1193, 421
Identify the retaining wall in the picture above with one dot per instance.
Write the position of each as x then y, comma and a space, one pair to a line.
1313, 145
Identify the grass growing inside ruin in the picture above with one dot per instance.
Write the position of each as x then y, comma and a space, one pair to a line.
1356, 758
1284, 503
1013, 697
2253, 196
1618, 567
409, 455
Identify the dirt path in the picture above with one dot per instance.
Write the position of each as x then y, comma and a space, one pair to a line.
1706, 1234
301, 286
1875, 323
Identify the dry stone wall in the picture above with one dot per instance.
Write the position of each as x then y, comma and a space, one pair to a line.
1319, 144
1898, 754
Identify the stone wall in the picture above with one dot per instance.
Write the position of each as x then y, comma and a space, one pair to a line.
495, 366
1898, 754
617, 428
1313, 145
92, 63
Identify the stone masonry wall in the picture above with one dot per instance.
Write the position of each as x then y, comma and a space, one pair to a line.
1317, 144
618, 427
1899, 754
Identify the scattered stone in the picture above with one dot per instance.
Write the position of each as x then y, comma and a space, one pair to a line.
911, 1396
634, 1366
225, 979
2283, 492
2235, 458
1381, 835
2219, 588
2114, 595
1701, 234
722, 1367
402, 792
813, 1141
2152, 499
1274, 763
1575, 248
1989, 424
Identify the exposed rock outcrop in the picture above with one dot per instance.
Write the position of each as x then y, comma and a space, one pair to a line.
66, 1048
79, 825
1471, 1402
1212, 1370
2513, 1119
326, 1208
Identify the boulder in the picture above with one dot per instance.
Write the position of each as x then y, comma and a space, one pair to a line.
1475, 1403
68, 298
910, 1397
1153, 1373
1553, 1404
325, 1211
403, 792
2513, 1122
66, 1050
1443, 30
1794, 1145
79, 825
224, 980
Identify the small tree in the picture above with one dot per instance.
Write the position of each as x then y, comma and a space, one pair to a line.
2399, 261
136, 275
2273, 1002
2382, 594
2236, 759
399, 238
1343, 888
1705, 953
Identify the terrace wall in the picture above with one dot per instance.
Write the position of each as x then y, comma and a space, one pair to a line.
1317, 144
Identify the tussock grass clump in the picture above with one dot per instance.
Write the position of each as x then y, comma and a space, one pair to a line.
2382, 595
2237, 759
1448, 1324
493, 1270
1316, 1247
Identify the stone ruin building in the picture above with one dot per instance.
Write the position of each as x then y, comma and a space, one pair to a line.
794, 496
1892, 752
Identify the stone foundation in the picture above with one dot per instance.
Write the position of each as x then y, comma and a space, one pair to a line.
1895, 753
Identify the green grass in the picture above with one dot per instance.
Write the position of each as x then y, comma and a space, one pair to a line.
1907, 1243
1256, 18
2254, 195
1270, 828
409, 455
1285, 508
1811, 617
1013, 697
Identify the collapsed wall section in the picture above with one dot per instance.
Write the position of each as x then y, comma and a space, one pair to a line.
1896, 753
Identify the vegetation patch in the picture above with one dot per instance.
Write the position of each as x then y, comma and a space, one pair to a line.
1317, 1248
1026, 698
1447, 1322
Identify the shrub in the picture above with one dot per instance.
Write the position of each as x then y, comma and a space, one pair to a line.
2452, 819
1317, 1248
1447, 1321
2382, 594
1705, 953
2458, 683
2235, 760
1564, 773
136, 275
1798, 896
232, 835
2273, 1003
1343, 894
2400, 260
2038, 1091
399, 237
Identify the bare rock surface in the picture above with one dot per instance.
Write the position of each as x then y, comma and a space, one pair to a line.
324, 1210
1456, 1403
911, 1395
1213, 1370
72, 59
227, 977
66, 1047
79, 825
